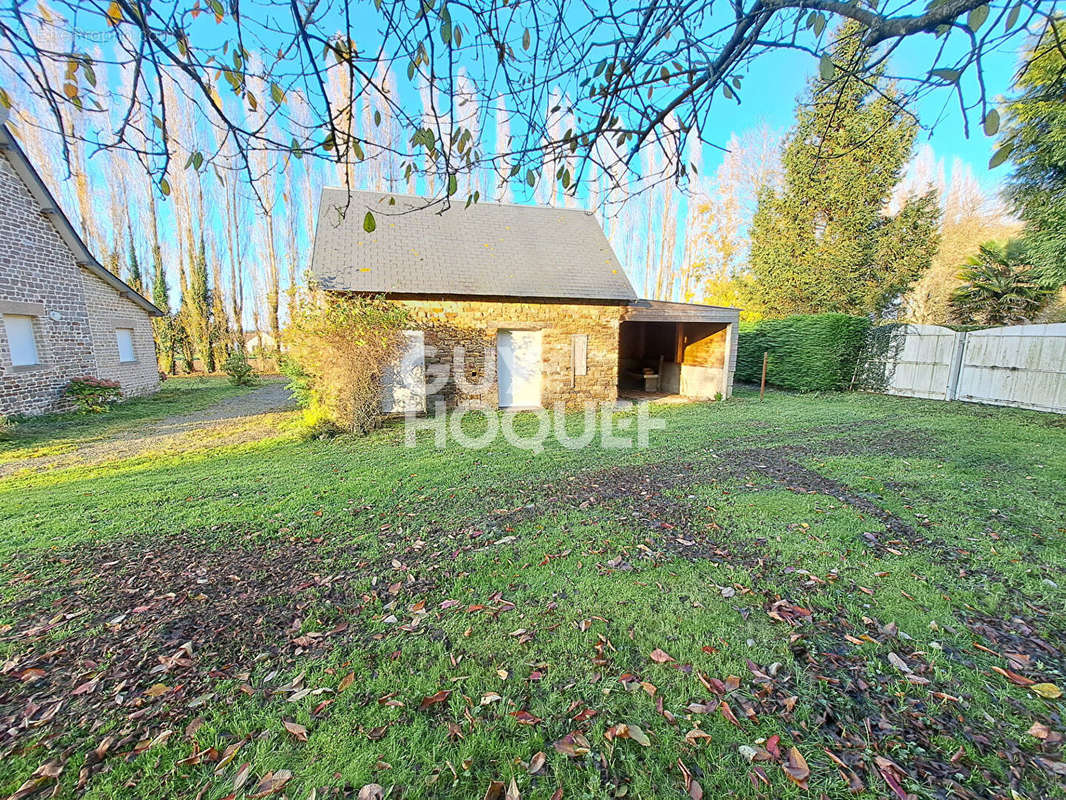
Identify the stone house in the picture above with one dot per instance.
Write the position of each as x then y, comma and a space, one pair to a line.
535, 298
62, 314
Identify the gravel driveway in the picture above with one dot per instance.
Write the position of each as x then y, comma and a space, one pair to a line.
244, 418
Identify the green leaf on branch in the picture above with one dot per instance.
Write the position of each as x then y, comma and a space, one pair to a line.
1001, 155
976, 18
1012, 17
369, 224
826, 69
991, 123
950, 75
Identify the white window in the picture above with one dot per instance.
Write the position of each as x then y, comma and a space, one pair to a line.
21, 340
124, 336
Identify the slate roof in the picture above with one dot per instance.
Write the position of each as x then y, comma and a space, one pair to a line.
488, 249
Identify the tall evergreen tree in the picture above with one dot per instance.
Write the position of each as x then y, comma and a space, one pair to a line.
823, 243
162, 327
198, 309
1036, 142
221, 338
134, 277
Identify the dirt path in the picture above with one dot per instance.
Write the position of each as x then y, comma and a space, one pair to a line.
235, 420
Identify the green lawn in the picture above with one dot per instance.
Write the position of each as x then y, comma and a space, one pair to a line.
875, 582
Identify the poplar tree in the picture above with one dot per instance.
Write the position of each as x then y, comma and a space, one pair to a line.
824, 242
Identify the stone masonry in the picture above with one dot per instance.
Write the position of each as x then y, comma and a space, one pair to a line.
75, 314
473, 324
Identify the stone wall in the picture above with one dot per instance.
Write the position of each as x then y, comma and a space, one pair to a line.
473, 324
39, 278
109, 311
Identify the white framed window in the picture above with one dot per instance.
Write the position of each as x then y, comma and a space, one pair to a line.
21, 340
124, 337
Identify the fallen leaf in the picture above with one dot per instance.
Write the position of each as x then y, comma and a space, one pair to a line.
1039, 730
346, 681
898, 663
371, 791
536, 764
242, 776
495, 791
490, 697
512, 791
695, 735
433, 699
727, 712
1013, 677
573, 744
796, 768
660, 656
525, 718
296, 729
272, 782
1048, 691
753, 753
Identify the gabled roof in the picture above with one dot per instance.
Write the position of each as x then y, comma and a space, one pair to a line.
486, 249
54, 212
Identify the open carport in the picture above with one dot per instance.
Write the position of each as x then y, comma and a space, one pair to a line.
683, 349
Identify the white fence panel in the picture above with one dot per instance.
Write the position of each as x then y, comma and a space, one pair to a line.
918, 361
1020, 365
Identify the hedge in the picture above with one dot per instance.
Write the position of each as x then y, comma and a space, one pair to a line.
807, 352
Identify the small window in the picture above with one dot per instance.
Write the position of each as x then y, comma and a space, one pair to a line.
124, 336
21, 340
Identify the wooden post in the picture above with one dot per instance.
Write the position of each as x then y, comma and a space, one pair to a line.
762, 386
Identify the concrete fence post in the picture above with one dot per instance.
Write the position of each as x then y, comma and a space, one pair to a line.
958, 354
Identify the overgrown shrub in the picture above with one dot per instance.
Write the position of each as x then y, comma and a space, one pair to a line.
807, 352
6, 428
299, 384
239, 370
93, 395
341, 347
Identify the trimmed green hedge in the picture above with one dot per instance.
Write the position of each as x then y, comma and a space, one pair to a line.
808, 352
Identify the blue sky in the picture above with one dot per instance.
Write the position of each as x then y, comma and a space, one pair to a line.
770, 91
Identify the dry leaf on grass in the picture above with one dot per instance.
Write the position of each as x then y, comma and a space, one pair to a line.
296, 729
796, 768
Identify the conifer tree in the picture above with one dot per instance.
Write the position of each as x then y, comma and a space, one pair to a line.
823, 242
1036, 142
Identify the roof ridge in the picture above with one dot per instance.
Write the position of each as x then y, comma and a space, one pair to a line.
463, 204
